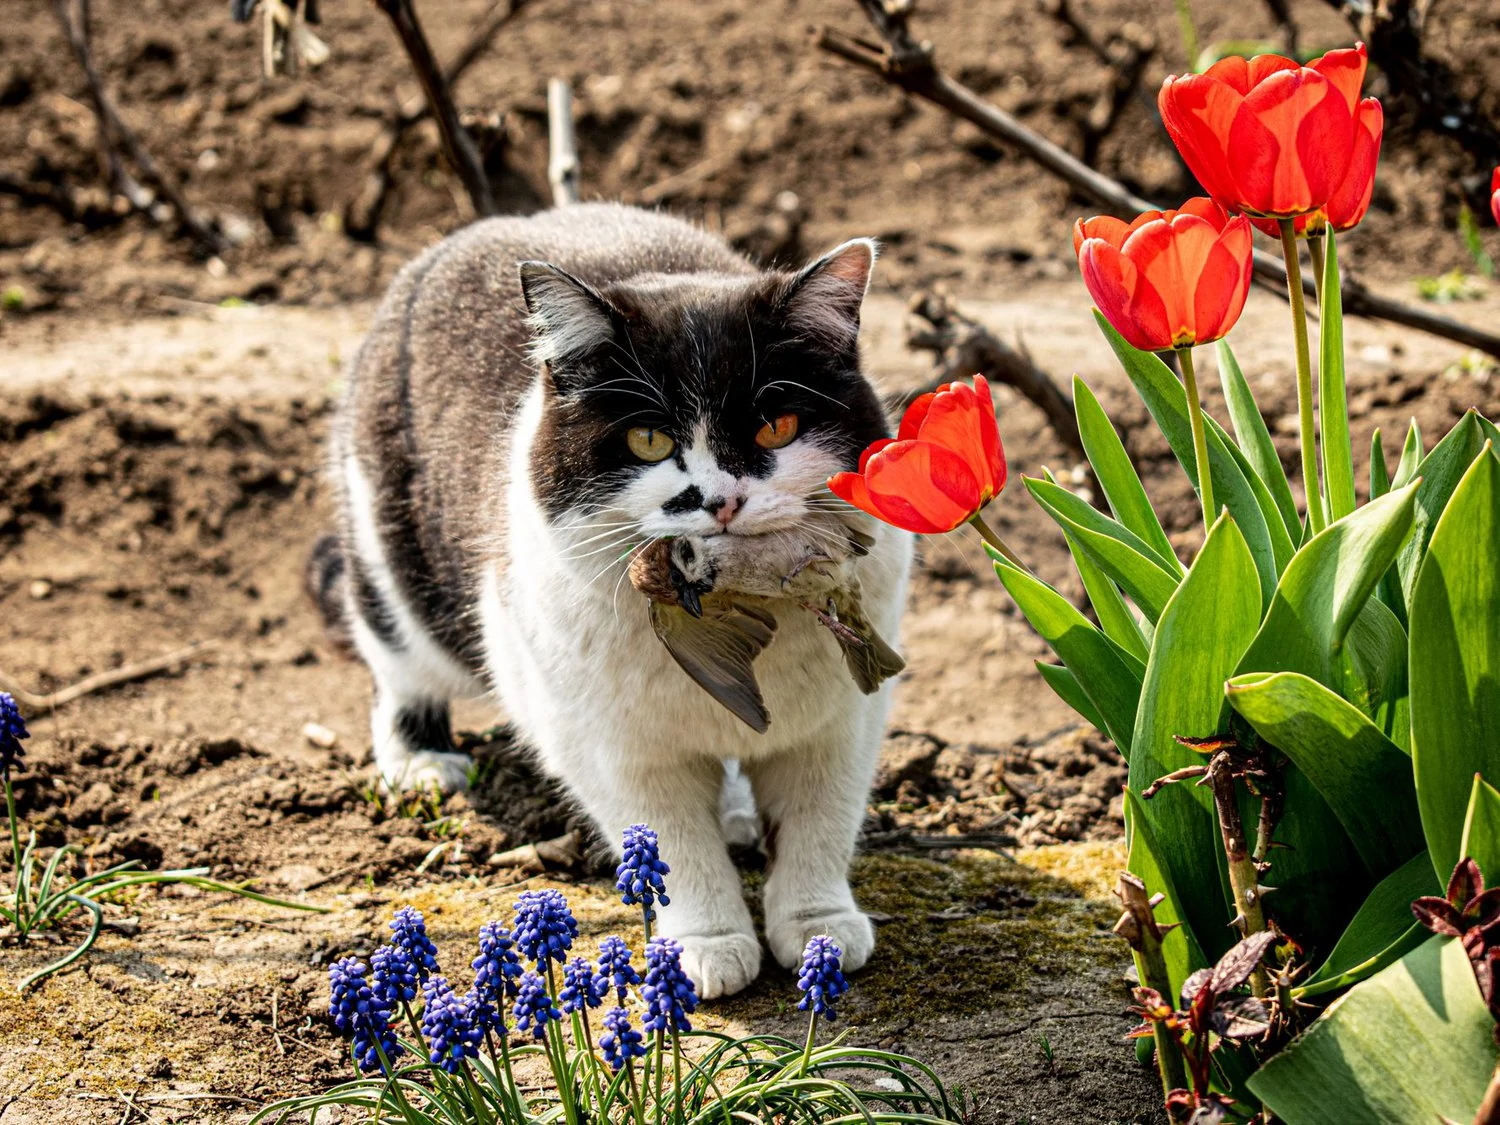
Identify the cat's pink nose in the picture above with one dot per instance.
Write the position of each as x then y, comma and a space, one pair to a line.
724, 508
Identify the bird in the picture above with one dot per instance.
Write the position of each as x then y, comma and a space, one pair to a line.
710, 602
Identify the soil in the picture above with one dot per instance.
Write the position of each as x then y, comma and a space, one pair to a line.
163, 414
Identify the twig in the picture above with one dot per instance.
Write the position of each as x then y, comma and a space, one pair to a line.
129, 673
362, 214
74, 17
562, 146
457, 143
962, 347
903, 62
1127, 54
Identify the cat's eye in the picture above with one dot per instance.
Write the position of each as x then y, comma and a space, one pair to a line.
649, 444
773, 435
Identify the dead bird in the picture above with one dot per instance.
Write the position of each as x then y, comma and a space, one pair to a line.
710, 602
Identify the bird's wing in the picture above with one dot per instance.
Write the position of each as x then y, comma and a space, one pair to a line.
869, 659
718, 651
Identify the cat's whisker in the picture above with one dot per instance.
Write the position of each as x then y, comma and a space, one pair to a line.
801, 387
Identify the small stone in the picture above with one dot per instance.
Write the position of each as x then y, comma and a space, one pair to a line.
40, 590
319, 735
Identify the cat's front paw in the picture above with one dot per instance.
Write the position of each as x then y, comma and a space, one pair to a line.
850, 930
428, 769
720, 964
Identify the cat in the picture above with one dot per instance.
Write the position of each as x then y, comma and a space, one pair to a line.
539, 399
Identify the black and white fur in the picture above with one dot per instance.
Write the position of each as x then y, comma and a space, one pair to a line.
489, 505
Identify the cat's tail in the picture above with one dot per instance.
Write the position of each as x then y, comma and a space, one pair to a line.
326, 579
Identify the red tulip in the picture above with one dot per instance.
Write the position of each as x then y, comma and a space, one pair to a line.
943, 466
1266, 135
1495, 195
1170, 279
1352, 198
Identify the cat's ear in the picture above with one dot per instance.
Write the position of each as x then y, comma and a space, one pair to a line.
569, 319
823, 299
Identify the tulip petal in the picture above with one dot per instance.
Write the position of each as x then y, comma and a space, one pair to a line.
1345, 68
1351, 199
1171, 257
1112, 230
958, 423
922, 487
1223, 283
1292, 137
850, 488
1125, 298
1261, 67
911, 421
1198, 111
1206, 209
1495, 195
873, 448
994, 449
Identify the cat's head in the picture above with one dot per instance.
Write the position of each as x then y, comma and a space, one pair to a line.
699, 404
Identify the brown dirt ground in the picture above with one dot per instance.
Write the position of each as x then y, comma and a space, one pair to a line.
160, 485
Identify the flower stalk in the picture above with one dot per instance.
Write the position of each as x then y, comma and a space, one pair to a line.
992, 537
1307, 420
1143, 933
1200, 436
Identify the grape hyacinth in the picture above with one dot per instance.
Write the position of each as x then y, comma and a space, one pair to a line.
639, 876
668, 992
449, 1023
821, 977
620, 1042
358, 1013
615, 966
12, 731
581, 988
534, 1007
393, 975
409, 931
497, 968
545, 927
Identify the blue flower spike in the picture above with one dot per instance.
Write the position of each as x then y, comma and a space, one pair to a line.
497, 968
615, 966
581, 987
545, 927
409, 931
361, 1015
12, 732
667, 991
394, 978
534, 1008
620, 1042
821, 977
453, 1033
639, 876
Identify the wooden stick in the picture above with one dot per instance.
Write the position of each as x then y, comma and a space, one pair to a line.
74, 17
562, 147
128, 673
457, 143
903, 62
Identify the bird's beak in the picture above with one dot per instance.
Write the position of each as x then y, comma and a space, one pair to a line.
687, 597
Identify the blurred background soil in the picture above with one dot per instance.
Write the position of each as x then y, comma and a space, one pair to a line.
162, 414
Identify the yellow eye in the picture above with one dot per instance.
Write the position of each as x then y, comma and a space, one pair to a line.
773, 435
649, 444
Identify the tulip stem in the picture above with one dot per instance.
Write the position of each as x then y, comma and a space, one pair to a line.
992, 537
1309, 428
1315, 251
1200, 437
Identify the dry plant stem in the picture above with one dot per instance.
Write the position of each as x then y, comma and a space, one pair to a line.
457, 143
1308, 424
1244, 876
562, 161
1200, 437
129, 673
903, 62
1139, 928
74, 17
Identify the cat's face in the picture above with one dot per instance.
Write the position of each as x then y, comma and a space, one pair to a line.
696, 405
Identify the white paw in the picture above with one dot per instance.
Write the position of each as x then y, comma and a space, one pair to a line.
428, 769
721, 964
851, 931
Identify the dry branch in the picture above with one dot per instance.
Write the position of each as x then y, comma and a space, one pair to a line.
903, 62
963, 347
1126, 54
129, 673
562, 147
457, 143
114, 134
362, 214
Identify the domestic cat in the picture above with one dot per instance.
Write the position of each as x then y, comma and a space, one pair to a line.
541, 398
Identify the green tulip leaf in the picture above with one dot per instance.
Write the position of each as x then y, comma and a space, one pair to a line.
1180, 948
1455, 658
1118, 478
1489, 429
1333, 398
1065, 684
1324, 590
1108, 676
1440, 470
1282, 546
1481, 838
1199, 640
1412, 452
1363, 775
1167, 403
1381, 932
1376, 680
1380, 473
1411, 1044
1120, 553
1254, 439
